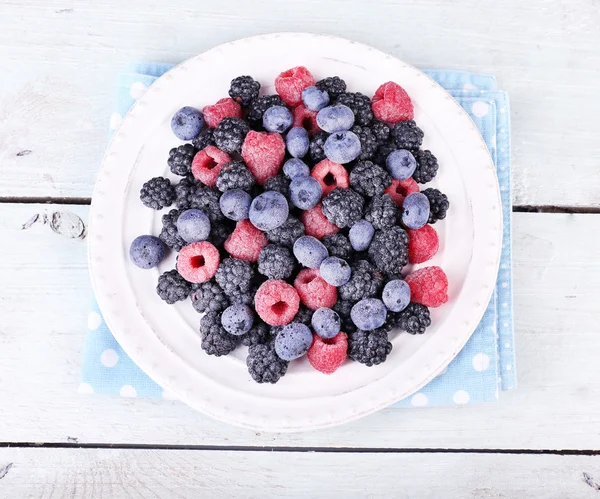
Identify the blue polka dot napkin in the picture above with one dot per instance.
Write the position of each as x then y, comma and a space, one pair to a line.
487, 362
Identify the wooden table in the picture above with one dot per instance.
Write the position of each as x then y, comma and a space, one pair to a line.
59, 61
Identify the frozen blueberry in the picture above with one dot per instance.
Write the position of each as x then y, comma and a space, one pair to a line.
368, 314
293, 341
269, 210
314, 99
305, 192
396, 295
415, 210
193, 226
146, 251
277, 119
326, 322
342, 147
235, 204
361, 234
310, 252
335, 271
336, 118
237, 319
401, 164
187, 123
297, 142
295, 167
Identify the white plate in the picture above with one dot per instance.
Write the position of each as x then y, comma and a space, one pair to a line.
163, 339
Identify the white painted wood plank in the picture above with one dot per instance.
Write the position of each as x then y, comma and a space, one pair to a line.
43, 310
58, 473
57, 97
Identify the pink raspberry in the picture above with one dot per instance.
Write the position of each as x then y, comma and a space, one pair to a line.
313, 290
306, 118
224, 108
207, 164
290, 83
245, 242
263, 153
428, 286
400, 189
316, 224
423, 243
391, 103
198, 262
276, 302
330, 175
326, 355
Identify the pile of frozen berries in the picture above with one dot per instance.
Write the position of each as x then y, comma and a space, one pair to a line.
294, 218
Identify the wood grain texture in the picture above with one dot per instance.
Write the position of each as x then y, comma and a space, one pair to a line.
57, 98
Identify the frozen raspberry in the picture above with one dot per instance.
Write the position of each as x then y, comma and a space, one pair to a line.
391, 103
330, 175
290, 83
313, 290
316, 224
423, 243
198, 262
276, 302
400, 189
208, 163
428, 286
263, 153
245, 242
306, 119
224, 108
326, 355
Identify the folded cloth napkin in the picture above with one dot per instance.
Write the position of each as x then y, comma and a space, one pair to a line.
486, 363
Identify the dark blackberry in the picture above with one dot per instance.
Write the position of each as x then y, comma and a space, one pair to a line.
259, 334
157, 193
168, 233
304, 315
360, 105
235, 175
368, 141
427, 166
246, 298
369, 179
220, 231
230, 134
333, 85
279, 183
383, 152
206, 199
258, 106
338, 245
287, 233
180, 159
315, 148
215, 340
381, 132
343, 207
204, 140
343, 308
234, 276
183, 190
276, 262
369, 347
438, 204
264, 365
414, 319
365, 282
389, 251
407, 135
244, 89
209, 297
172, 287
382, 212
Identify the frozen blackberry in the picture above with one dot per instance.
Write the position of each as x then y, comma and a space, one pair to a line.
279, 183
264, 365
204, 140
427, 166
157, 193
183, 189
389, 251
438, 204
368, 141
343, 308
244, 89
383, 151
206, 199
381, 132
360, 105
343, 207
407, 135
258, 106
369, 179
286, 234
180, 159
219, 232
414, 319
338, 245
244, 297
234, 276
260, 333
235, 175
169, 234
172, 287
369, 347
304, 316
365, 282
276, 262
382, 211
209, 297
230, 134
315, 147
333, 85
215, 340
